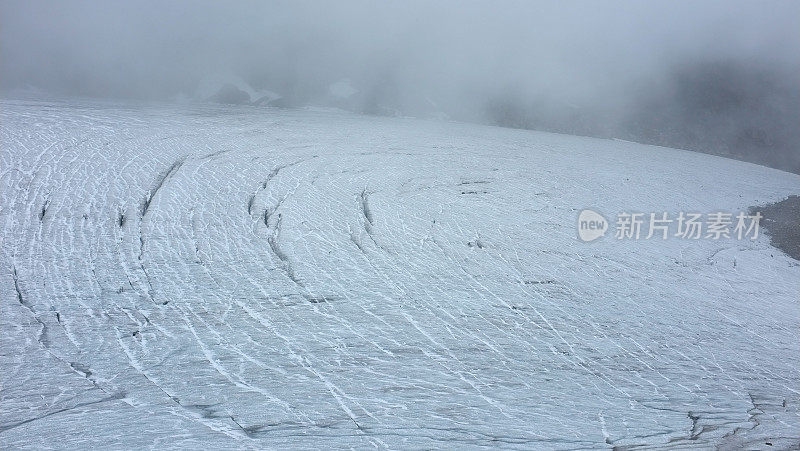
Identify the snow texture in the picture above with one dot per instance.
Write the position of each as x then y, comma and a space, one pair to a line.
218, 277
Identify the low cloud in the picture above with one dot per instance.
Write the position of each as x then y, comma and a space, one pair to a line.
583, 67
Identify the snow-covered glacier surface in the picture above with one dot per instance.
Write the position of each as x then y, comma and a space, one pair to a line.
237, 277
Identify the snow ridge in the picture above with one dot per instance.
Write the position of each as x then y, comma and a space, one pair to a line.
230, 277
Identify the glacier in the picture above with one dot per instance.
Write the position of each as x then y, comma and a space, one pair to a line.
187, 276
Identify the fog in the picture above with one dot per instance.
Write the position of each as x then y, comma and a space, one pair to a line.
716, 76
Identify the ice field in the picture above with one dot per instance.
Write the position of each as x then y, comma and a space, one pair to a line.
236, 277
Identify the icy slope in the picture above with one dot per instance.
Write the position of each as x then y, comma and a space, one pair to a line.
254, 278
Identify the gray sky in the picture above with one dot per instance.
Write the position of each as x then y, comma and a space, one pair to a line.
451, 51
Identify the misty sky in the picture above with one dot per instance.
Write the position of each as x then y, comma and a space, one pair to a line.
447, 50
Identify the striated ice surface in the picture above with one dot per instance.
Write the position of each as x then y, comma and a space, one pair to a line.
250, 278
